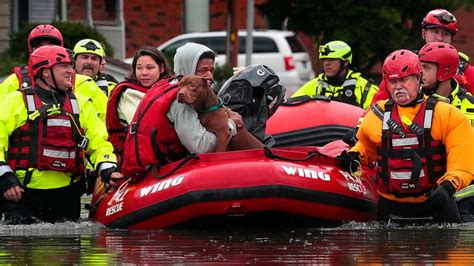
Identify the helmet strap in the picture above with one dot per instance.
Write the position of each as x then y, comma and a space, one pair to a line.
342, 68
431, 90
418, 99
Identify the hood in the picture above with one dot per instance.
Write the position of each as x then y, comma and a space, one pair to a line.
187, 57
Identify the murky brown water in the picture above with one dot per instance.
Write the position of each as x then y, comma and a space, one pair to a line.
349, 244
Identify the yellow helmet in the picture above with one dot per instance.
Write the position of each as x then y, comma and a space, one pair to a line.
89, 46
337, 50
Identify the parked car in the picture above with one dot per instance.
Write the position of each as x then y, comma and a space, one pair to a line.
280, 50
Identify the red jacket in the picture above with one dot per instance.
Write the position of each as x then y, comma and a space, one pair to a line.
152, 140
117, 131
467, 79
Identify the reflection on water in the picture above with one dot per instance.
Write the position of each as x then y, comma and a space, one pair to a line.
350, 244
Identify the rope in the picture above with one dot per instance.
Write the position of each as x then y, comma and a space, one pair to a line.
268, 152
155, 169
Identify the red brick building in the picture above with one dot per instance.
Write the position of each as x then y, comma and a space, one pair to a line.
464, 39
153, 22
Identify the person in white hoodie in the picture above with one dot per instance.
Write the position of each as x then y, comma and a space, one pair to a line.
176, 127
196, 59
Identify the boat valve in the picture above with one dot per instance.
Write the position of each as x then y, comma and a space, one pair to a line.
236, 209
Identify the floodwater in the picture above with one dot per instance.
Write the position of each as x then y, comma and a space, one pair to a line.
350, 244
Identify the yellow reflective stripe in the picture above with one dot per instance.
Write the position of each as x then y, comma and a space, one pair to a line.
465, 193
407, 121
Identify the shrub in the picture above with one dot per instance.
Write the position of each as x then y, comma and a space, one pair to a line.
17, 53
221, 74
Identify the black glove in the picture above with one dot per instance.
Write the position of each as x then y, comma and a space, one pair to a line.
8, 180
105, 174
349, 161
350, 137
441, 195
89, 182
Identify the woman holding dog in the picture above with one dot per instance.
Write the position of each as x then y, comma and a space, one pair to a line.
149, 65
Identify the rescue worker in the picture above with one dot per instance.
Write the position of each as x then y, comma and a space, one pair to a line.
420, 145
89, 55
45, 131
440, 61
21, 77
48, 34
105, 81
338, 80
440, 25
176, 127
148, 66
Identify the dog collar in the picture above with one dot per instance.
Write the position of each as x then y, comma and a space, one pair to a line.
213, 107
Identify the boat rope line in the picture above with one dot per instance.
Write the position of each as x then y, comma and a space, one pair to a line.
156, 168
304, 99
269, 153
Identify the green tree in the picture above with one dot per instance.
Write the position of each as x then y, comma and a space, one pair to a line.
373, 28
17, 52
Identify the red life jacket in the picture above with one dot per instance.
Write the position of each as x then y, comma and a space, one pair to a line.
117, 131
51, 138
409, 161
151, 140
24, 76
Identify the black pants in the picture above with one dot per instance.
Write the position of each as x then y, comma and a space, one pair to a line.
45, 205
449, 213
466, 208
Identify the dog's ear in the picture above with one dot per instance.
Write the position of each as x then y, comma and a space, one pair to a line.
179, 77
208, 82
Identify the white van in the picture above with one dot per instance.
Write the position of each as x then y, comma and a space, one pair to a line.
280, 50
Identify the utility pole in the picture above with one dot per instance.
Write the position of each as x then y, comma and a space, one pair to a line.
88, 19
249, 39
232, 45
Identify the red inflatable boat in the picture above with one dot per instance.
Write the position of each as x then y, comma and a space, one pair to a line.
295, 186
305, 121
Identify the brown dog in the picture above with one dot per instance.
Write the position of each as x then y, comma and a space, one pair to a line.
197, 93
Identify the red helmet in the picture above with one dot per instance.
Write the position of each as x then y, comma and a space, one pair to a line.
42, 32
401, 63
47, 56
440, 18
442, 54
